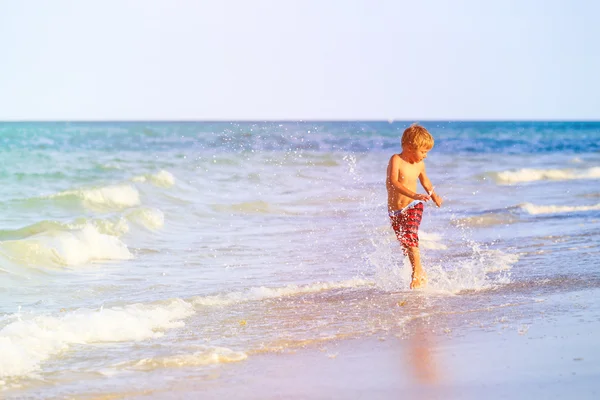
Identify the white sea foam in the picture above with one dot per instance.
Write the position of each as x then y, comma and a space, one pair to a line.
261, 293
431, 241
114, 227
475, 268
467, 277
161, 179
102, 198
497, 260
206, 355
147, 217
26, 343
538, 209
252, 207
66, 247
490, 219
532, 175
483, 269
150, 218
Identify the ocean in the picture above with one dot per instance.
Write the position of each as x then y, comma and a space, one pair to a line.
137, 256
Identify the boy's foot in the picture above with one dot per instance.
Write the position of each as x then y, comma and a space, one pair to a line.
418, 281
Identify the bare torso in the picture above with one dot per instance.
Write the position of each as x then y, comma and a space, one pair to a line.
408, 174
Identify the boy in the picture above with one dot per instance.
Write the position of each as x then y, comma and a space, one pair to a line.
405, 205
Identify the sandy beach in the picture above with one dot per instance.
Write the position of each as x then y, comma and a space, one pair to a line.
519, 355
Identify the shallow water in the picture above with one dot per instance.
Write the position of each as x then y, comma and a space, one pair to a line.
134, 248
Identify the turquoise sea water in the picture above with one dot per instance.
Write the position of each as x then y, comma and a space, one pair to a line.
140, 253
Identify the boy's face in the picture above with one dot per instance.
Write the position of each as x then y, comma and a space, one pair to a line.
417, 154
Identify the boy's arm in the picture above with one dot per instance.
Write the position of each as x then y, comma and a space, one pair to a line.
426, 183
403, 190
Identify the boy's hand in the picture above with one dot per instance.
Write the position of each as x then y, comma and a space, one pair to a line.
422, 197
437, 200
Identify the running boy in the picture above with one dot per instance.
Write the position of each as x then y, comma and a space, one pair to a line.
405, 205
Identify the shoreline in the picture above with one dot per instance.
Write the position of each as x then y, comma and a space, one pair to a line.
555, 357
541, 352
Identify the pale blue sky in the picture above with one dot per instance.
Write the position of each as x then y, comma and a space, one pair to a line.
285, 59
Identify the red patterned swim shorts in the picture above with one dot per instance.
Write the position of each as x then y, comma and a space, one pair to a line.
406, 225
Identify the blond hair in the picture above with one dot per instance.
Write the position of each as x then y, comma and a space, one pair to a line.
417, 136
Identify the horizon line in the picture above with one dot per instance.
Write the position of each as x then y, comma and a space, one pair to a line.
390, 121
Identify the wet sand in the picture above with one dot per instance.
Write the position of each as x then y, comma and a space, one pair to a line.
550, 359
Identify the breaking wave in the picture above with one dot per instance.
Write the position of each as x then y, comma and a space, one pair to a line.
116, 197
65, 247
161, 179
533, 175
27, 342
262, 293
534, 209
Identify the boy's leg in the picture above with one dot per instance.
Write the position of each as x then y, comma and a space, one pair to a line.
419, 278
406, 227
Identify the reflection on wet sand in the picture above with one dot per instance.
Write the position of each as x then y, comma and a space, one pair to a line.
420, 354
421, 343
